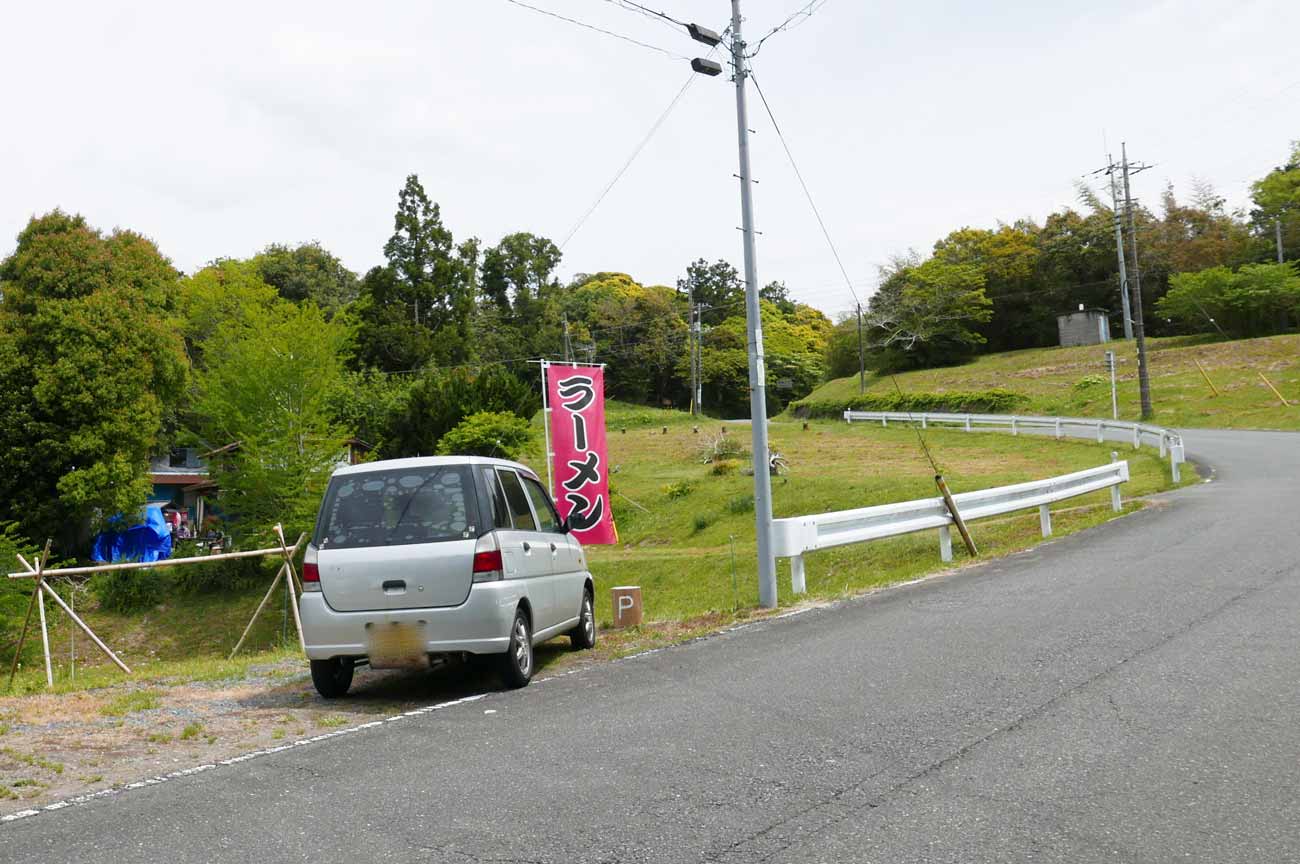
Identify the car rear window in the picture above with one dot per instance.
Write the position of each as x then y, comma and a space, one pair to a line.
398, 507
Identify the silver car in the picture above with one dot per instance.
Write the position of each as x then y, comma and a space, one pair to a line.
413, 559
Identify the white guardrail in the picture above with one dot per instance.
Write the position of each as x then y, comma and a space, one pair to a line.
1169, 441
793, 537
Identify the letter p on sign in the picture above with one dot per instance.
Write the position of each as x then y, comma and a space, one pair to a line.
627, 605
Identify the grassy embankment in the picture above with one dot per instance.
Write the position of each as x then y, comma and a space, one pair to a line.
1072, 381
676, 521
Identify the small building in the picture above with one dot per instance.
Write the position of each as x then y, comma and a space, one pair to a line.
174, 477
1084, 327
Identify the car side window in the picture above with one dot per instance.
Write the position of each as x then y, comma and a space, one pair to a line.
517, 501
550, 522
497, 499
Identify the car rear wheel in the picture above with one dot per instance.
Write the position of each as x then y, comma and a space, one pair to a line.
332, 677
517, 662
583, 636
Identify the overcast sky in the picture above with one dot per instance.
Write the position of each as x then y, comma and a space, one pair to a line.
219, 129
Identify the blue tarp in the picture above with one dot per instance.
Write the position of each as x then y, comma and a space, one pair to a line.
150, 541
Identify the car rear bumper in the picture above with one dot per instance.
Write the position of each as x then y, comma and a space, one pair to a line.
480, 625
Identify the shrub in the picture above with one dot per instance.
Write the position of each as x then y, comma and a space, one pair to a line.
1087, 382
741, 504
488, 433
702, 521
440, 400
15, 594
992, 401
680, 489
719, 448
128, 590
224, 576
723, 468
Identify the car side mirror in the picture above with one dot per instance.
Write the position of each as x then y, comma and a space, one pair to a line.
565, 527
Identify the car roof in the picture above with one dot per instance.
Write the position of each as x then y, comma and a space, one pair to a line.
429, 462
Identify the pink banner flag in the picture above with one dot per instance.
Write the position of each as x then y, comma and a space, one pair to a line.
579, 464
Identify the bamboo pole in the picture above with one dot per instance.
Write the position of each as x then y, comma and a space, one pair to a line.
1271, 387
956, 516
18, 652
294, 581
166, 562
82, 624
260, 606
1213, 389
45, 631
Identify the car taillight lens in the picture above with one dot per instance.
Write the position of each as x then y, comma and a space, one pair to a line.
487, 560
487, 566
310, 571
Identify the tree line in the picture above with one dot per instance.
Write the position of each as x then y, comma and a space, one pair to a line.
110, 356
1202, 268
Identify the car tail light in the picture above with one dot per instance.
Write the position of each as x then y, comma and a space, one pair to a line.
310, 570
487, 560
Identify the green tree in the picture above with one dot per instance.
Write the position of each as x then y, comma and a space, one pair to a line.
1256, 300
307, 272
487, 433
927, 314
420, 307
1277, 196
91, 363
268, 377
717, 286
440, 400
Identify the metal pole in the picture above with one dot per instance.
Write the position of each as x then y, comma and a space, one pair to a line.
1139, 330
862, 362
546, 428
1114, 399
1119, 251
699, 358
1277, 230
754, 332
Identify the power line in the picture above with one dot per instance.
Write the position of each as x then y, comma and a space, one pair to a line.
593, 27
805, 12
635, 153
768, 108
647, 12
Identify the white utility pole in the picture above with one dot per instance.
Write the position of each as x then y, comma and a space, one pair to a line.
1114, 398
754, 333
1277, 229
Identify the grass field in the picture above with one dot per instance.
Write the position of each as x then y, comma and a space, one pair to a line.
677, 521
1072, 381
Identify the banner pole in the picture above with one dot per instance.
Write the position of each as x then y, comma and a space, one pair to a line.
546, 427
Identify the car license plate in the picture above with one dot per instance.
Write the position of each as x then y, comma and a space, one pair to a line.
394, 645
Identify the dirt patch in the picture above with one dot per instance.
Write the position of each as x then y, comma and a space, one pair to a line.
54, 747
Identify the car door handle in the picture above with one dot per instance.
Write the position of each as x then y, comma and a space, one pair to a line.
527, 546
552, 548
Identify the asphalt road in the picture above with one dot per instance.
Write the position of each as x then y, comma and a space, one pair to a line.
1130, 693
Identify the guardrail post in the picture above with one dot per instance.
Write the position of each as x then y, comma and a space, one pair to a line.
1101, 435
967, 422
1058, 428
1175, 459
945, 543
1045, 519
884, 421
1162, 445
797, 583
1013, 426
1115, 503
922, 421
1137, 436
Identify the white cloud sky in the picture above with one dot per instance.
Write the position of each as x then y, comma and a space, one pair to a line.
219, 131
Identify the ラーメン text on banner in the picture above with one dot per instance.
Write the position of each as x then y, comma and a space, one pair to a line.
580, 467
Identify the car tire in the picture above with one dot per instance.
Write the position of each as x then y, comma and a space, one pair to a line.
583, 637
517, 662
332, 677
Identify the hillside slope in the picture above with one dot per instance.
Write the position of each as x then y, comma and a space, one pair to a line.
1073, 381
